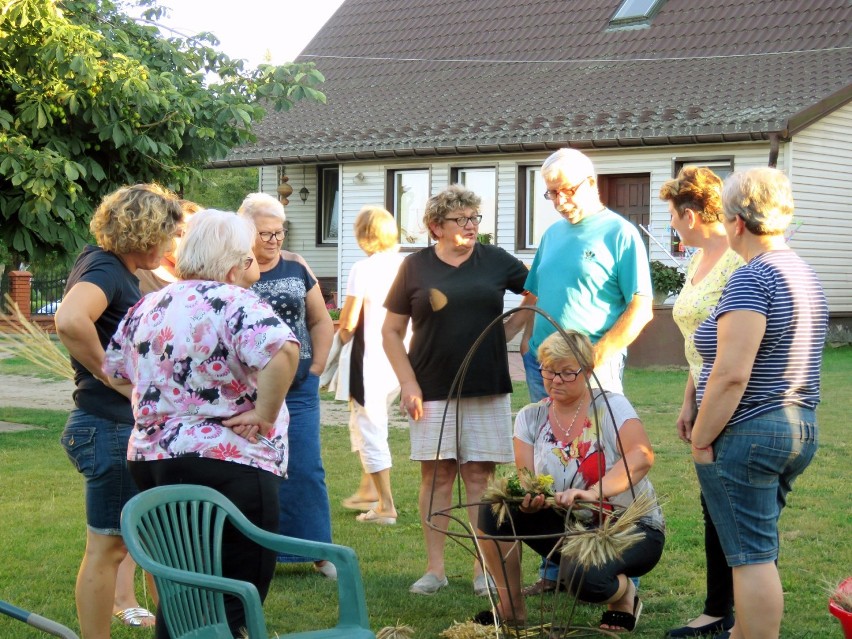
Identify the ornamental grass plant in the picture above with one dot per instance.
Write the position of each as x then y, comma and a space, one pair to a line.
42, 528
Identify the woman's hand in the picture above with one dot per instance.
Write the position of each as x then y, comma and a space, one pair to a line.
686, 419
567, 497
703, 455
248, 425
532, 504
411, 400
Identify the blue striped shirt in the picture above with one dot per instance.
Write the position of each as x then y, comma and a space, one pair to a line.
782, 287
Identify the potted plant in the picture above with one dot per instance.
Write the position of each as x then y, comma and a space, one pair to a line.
666, 281
840, 605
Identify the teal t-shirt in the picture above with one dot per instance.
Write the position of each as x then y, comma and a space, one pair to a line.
586, 274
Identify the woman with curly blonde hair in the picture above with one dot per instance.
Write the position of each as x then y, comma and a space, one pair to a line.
133, 226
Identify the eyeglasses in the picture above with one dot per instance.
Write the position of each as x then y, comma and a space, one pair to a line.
247, 262
566, 193
565, 376
267, 236
462, 221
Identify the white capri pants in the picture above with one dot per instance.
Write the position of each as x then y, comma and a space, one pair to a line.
368, 432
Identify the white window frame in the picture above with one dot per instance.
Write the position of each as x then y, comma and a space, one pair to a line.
488, 208
635, 11
538, 213
408, 205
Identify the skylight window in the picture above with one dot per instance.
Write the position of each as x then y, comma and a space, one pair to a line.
635, 11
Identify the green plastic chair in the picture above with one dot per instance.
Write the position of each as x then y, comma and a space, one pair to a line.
175, 533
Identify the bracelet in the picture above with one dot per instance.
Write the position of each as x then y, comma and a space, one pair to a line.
694, 447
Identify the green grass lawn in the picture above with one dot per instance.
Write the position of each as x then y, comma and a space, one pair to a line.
42, 529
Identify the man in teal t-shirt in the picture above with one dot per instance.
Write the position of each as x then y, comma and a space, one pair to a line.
590, 273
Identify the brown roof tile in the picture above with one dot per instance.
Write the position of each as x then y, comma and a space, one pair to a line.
414, 76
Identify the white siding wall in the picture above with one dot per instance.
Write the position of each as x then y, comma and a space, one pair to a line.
821, 172
821, 169
301, 218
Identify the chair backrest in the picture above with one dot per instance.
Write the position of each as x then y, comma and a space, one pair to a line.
175, 533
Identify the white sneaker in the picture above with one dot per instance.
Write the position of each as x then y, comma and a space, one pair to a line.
327, 570
428, 584
481, 587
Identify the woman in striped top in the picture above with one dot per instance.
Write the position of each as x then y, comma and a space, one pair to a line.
759, 386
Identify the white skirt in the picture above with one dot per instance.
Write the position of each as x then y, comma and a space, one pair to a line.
484, 432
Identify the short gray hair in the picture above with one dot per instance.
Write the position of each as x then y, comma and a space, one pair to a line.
762, 197
214, 243
568, 162
257, 205
453, 198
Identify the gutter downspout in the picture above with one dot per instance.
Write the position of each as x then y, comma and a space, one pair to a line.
773, 150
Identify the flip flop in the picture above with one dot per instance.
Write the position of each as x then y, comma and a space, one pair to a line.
623, 620
371, 517
135, 617
355, 503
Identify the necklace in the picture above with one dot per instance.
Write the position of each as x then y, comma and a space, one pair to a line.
567, 432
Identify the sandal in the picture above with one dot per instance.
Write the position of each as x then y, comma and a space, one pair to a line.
357, 503
541, 586
372, 517
135, 617
624, 620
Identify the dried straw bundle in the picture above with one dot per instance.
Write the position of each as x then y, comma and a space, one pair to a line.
34, 345
395, 632
469, 630
601, 545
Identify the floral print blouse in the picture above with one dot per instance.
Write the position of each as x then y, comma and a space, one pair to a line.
695, 302
192, 352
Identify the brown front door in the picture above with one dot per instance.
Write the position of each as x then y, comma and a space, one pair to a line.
629, 195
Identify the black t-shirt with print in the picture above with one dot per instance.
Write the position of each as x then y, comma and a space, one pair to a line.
449, 307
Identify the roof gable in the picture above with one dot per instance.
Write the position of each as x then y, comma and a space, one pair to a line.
417, 77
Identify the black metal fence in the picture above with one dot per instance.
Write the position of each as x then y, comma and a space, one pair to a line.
47, 289
4, 288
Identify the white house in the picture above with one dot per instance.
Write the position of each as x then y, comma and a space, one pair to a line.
423, 93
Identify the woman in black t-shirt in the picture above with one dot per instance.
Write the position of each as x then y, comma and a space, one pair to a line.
451, 291
133, 226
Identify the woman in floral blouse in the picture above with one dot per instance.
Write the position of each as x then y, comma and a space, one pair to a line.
210, 363
695, 204
557, 437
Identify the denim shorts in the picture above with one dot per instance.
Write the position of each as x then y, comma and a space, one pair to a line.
98, 449
746, 486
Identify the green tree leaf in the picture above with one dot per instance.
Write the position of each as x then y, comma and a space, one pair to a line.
91, 99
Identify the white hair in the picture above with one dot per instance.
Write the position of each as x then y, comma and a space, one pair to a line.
262, 204
762, 197
213, 244
569, 163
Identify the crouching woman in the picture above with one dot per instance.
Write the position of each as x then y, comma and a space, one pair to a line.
557, 437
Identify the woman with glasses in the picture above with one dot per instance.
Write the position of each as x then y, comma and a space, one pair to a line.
557, 436
209, 363
287, 283
451, 291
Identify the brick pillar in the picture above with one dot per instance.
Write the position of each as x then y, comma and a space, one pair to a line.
20, 283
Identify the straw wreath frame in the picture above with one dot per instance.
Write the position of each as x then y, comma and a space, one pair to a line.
555, 616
